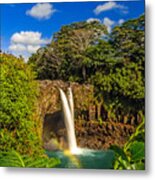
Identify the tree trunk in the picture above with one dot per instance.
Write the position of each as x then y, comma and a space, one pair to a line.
84, 72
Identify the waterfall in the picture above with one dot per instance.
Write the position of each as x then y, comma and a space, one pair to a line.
71, 102
68, 111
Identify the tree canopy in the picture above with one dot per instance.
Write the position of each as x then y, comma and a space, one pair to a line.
114, 63
65, 57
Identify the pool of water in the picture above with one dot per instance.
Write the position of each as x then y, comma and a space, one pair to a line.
87, 159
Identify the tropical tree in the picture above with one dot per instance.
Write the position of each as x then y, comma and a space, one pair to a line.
65, 57
120, 73
129, 41
113, 63
46, 63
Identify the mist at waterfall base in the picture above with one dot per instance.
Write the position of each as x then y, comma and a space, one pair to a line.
77, 157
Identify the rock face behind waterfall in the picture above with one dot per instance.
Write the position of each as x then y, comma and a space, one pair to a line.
50, 109
90, 132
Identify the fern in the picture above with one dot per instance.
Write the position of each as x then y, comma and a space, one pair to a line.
14, 159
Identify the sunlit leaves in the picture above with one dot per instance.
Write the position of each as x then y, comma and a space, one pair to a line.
132, 155
17, 104
137, 150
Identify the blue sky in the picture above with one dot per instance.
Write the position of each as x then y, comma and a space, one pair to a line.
26, 27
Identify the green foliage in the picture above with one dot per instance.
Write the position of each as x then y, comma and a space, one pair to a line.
114, 63
137, 151
132, 155
18, 130
118, 65
81, 52
14, 159
65, 57
129, 40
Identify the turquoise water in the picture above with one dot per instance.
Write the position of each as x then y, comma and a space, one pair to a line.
88, 159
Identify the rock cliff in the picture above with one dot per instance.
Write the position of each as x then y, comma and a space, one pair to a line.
90, 132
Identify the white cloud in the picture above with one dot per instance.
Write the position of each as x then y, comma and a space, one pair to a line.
106, 21
28, 37
17, 47
93, 19
109, 23
41, 11
121, 21
26, 42
32, 49
108, 6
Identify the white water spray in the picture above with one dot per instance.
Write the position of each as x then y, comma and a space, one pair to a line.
71, 102
68, 111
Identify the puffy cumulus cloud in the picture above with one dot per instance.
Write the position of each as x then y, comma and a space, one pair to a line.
106, 21
17, 47
108, 6
26, 42
41, 11
93, 19
28, 37
109, 23
121, 21
32, 49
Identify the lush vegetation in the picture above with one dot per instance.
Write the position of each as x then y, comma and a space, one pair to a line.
20, 142
65, 58
113, 63
85, 53
18, 95
132, 155
14, 159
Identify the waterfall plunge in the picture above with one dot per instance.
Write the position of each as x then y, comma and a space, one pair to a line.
68, 111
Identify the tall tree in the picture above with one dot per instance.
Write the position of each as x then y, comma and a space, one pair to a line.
129, 40
120, 75
73, 41
65, 57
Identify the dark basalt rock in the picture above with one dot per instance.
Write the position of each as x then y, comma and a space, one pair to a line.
90, 132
